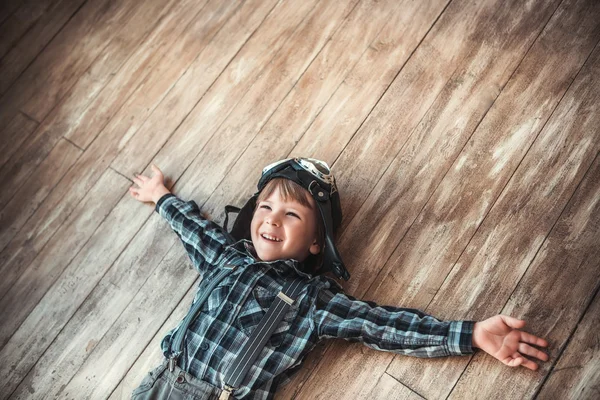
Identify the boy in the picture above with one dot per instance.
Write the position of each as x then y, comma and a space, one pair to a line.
284, 234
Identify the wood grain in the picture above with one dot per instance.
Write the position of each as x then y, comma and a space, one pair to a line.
23, 349
63, 61
369, 25
206, 95
554, 292
501, 249
576, 375
387, 388
15, 134
77, 182
16, 24
152, 354
26, 200
139, 22
34, 25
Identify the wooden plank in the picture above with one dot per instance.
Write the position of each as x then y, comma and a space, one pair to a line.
221, 150
65, 296
7, 8
561, 281
48, 22
87, 334
113, 355
387, 388
94, 117
26, 200
17, 24
71, 189
63, 61
196, 104
152, 355
576, 375
16, 133
400, 195
24, 293
126, 38
376, 33
501, 249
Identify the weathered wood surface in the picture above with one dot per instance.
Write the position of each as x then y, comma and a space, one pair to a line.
15, 134
35, 189
76, 183
33, 26
576, 375
462, 135
139, 22
554, 292
482, 275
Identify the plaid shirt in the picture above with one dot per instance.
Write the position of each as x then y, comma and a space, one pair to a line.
322, 310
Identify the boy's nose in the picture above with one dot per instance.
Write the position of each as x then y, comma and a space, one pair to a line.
273, 221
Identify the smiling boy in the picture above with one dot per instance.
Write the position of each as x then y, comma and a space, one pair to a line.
284, 234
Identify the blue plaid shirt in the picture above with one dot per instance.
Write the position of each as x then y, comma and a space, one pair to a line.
322, 310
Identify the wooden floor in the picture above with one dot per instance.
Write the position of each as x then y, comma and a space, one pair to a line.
464, 136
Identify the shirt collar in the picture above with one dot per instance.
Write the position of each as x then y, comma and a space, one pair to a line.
282, 266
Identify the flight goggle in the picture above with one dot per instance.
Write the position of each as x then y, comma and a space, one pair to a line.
319, 169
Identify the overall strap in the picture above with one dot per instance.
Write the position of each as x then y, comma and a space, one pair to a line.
254, 345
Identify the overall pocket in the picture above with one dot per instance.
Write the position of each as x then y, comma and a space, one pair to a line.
149, 380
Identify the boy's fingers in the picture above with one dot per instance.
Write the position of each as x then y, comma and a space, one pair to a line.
529, 338
138, 181
533, 352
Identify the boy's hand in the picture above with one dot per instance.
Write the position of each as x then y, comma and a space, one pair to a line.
150, 189
499, 336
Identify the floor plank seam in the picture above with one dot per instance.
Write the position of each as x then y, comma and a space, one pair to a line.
70, 141
117, 172
406, 386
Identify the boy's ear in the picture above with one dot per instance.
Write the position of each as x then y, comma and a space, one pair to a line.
315, 248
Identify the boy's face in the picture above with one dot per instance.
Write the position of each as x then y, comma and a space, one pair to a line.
290, 223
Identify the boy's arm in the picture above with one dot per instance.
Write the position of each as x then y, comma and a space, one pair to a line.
412, 332
203, 239
399, 330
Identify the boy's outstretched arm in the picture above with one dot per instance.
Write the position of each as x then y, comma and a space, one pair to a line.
500, 337
412, 332
203, 239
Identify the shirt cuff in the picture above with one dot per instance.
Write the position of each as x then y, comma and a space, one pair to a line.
160, 201
460, 338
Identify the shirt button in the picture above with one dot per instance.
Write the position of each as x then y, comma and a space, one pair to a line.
204, 346
180, 379
228, 306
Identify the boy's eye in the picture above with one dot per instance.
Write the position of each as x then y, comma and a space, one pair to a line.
295, 215
265, 206
290, 213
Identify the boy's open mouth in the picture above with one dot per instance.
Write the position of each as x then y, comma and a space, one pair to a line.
270, 238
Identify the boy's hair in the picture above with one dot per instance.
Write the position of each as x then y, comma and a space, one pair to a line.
290, 189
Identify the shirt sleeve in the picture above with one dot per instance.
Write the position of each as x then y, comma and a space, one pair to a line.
203, 239
398, 330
